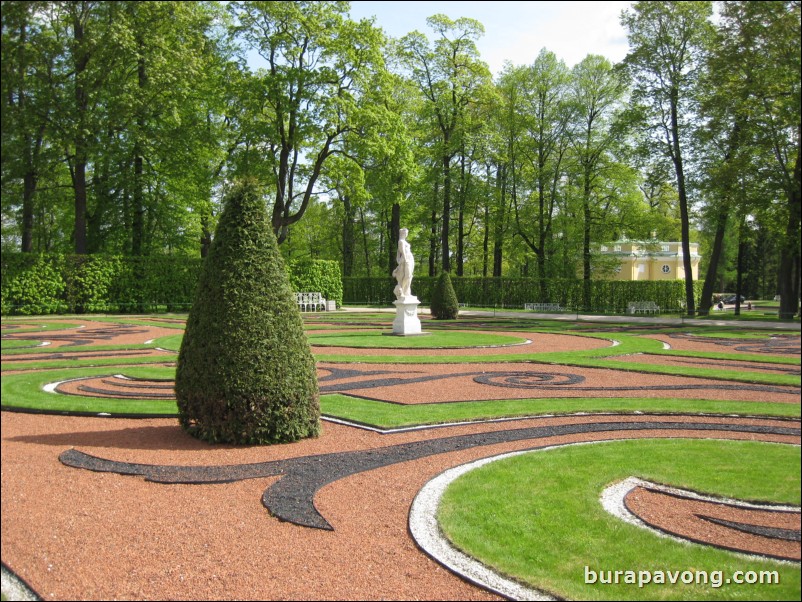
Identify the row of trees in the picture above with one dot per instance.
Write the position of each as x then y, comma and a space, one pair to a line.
122, 122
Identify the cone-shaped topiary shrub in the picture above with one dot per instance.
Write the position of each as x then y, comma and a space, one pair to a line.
444, 300
245, 371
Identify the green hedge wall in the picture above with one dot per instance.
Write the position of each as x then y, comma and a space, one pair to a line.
318, 276
49, 284
606, 295
46, 284
32, 285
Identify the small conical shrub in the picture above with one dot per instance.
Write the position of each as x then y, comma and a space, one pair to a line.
245, 372
444, 300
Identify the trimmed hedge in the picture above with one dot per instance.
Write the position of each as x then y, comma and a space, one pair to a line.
45, 284
245, 373
318, 276
50, 284
610, 296
444, 304
32, 285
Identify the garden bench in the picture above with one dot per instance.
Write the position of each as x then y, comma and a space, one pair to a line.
542, 306
643, 307
310, 301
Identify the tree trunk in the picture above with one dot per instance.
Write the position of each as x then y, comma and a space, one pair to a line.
498, 234
433, 232
79, 187
486, 241
683, 208
29, 189
740, 268
444, 228
586, 267
348, 236
81, 61
29, 179
712, 268
463, 194
206, 237
138, 221
789, 254
365, 241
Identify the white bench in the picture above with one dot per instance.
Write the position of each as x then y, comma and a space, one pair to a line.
310, 301
542, 307
643, 307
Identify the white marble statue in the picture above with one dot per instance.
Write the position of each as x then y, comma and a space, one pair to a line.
406, 266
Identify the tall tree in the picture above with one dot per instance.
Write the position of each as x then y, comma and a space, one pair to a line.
547, 112
724, 139
450, 76
511, 125
318, 63
752, 111
667, 43
29, 55
87, 82
597, 93
774, 101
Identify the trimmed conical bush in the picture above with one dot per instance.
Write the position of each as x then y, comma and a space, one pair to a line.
444, 300
245, 373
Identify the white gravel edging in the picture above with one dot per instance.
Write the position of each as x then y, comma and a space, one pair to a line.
14, 588
612, 500
426, 533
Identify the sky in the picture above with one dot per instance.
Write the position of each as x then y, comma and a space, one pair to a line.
515, 31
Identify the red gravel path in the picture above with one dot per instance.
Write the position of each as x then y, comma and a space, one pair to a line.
76, 534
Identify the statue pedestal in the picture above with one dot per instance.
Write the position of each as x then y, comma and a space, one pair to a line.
406, 317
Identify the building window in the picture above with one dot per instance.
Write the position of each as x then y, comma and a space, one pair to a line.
642, 268
604, 248
666, 248
617, 248
666, 269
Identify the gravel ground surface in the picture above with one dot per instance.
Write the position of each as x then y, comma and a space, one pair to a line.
234, 523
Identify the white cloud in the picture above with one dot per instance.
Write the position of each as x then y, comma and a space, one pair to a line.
517, 31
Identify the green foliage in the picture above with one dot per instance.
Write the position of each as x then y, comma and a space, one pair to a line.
100, 283
245, 372
35, 288
127, 284
606, 295
507, 531
444, 303
87, 280
373, 291
317, 276
307, 98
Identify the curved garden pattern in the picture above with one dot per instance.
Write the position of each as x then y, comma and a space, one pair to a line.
706, 410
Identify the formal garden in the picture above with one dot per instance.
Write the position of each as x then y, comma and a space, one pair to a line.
528, 454
295, 309
706, 409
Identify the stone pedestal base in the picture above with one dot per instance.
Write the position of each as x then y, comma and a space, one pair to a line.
406, 317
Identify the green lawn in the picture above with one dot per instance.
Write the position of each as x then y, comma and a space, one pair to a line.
549, 523
24, 390
552, 511
433, 340
385, 415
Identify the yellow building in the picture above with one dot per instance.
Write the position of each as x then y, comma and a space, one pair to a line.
650, 260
